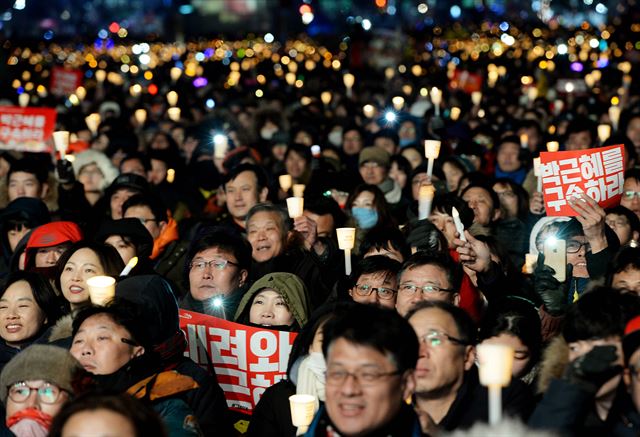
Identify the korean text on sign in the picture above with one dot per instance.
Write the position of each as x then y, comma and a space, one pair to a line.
26, 129
599, 173
246, 360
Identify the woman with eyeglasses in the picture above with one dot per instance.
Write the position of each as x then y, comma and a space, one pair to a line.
34, 386
114, 346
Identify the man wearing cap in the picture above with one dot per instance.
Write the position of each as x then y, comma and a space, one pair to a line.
123, 187
374, 169
34, 386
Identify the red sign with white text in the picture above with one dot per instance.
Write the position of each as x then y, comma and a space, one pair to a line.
26, 129
65, 82
599, 173
466, 81
246, 360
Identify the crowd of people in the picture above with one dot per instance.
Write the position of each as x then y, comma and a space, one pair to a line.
388, 349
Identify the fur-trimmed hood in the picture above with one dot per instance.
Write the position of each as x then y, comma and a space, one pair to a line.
554, 361
62, 329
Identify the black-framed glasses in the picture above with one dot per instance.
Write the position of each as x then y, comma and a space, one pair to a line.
47, 393
218, 264
363, 377
436, 338
574, 246
425, 289
384, 293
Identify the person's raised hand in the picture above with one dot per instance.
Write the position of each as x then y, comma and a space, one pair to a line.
592, 218
536, 203
474, 254
553, 293
308, 228
66, 176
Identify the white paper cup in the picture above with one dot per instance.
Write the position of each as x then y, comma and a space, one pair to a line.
102, 289
302, 409
431, 148
295, 206
61, 141
495, 362
346, 238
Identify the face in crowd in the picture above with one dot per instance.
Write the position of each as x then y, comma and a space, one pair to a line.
21, 318
242, 194
23, 184
265, 232
377, 288
424, 282
269, 308
214, 272
82, 265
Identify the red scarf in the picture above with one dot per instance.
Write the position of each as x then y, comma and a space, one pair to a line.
34, 414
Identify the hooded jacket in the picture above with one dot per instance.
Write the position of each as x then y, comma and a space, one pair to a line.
289, 286
154, 296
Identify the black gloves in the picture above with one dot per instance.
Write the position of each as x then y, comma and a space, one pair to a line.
591, 370
553, 293
65, 172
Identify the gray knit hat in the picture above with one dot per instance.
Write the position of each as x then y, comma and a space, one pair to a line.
40, 361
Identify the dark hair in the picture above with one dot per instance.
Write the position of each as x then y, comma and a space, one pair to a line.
326, 205
379, 328
47, 299
626, 258
441, 260
467, 331
494, 197
109, 257
261, 177
136, 156
374, 264
581, 124
424, 235
634, 221
144, 420
444, 204
379, 203
300, 149
154, 203
383, 238
123, 313
31, 166
521, 193
599, 313
633, 173
518, 317
388, 133
225, 239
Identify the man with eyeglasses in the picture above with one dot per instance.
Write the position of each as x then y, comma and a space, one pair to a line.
374, 281
448, 393
217, 270
371, 355
631, 191
34, 386
169, 250
427, 276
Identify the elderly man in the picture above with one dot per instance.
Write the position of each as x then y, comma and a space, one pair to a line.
448, 393
276, 248
217, 265
425, 276
374, 169
371, 355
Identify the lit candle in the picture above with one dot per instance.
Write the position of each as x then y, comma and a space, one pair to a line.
175, 73
23, 100
397, 102
325, 97
476, 98
298, 190
458, 223
455, 113
425, 200
286, 181
524, 141
81, 92
172, 98
101, 289
614, 116
553, 146
604, 132
93, 121
61, 142
140, 116
532, 94
495, 362
436, 99
558, 106
171, 175
174, 113
130, 265
295, 206
346, 241
349, 79
431, 151
536, 172
369, 111
101, 75
303, 407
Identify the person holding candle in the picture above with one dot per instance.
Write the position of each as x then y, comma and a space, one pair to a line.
448, 393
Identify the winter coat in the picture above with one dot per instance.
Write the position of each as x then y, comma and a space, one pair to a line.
272, 415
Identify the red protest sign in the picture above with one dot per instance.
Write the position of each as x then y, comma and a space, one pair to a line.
65, 82
597, 172
466, 81
26, 129
246, 360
